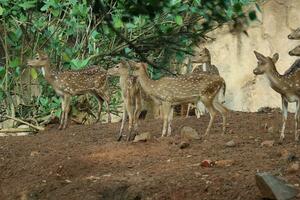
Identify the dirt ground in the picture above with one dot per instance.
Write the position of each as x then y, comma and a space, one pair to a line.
86, 162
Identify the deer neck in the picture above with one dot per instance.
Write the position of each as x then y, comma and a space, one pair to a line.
275, 79
146, 83
49, 73
123, 81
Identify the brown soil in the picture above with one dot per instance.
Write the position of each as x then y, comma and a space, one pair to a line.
86, 162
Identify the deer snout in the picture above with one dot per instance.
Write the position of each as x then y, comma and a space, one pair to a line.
29, 63
256, 71
291, 53
290, 37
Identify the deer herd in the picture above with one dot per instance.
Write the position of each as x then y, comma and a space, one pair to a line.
202, 86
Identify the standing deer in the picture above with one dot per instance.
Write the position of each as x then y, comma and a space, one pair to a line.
288, 86
131, 95
69, 83
171, 91
295, 34
203, 57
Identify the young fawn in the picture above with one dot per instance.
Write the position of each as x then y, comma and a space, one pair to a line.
131, 95
171, 91
203, 57
69, 83
288, 86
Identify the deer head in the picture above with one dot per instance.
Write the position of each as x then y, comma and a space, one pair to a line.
264, 63
295, 51
139, 68
295, 34
202, 57
41, 59
123, 68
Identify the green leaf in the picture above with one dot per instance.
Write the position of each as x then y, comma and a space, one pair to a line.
15, 63
178, 20
28, 4
2, 71
79, 64
1, 11
33, 73
117, 22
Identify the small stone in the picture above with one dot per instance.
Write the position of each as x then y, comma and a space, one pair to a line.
207, 163
293, 168
271, 130
224, 163
267, 143
188, 133
23, 126
272, 187
231, 143
142, 137
183, 145
34, 153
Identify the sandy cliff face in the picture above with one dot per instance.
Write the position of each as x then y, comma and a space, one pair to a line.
235, 59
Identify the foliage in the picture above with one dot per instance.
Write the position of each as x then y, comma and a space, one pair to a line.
77, 33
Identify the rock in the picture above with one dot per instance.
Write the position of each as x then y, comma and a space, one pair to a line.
272, 187
270, 129
285, 154
189, 133
293, 168
267, 143
231, 143
224, 163
34, 153
23, 126
183, 145
142, 137
207, 163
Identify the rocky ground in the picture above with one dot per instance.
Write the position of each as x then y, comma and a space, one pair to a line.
86, 162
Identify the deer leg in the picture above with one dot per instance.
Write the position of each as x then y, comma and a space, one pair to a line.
165, 112
107, 101
130, 111
67, 110
170, 118
62, 115
122, 124
188, 111
284, 115
100, 102
212, 112
223, 110
296, 121
137, 111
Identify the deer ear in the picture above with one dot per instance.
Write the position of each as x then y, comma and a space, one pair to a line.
275, 57
259, 56
144, 65
123, 62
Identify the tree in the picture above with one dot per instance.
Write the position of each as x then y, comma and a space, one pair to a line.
77, 33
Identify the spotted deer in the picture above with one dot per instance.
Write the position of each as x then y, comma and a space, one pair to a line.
205, 67
69, 83
172, 91
287, 85
131, 95
295, 34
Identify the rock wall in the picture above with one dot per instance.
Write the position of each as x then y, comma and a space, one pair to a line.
233, 54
